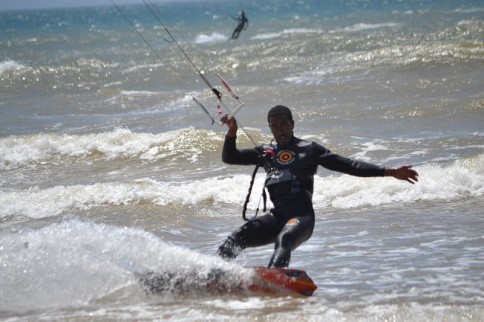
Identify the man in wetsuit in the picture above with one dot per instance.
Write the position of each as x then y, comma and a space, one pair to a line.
291, 164
243, 23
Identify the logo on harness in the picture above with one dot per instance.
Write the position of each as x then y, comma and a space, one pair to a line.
285, 157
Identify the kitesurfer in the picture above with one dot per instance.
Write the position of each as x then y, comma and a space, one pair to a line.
291, 164
243, 23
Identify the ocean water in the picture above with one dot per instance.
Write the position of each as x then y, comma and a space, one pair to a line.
108, 169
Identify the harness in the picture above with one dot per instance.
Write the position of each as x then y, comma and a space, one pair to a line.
267, 159
297, 182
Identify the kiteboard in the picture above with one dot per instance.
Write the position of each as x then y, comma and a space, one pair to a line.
274, 281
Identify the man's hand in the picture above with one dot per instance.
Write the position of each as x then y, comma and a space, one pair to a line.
232, 124
403, 173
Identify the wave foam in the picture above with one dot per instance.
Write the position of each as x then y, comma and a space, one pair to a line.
460, 180
367, 26
272, 35
10, 65
75, 262
212, 38
18, 150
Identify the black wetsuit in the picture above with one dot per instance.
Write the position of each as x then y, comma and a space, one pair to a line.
290, 186
242, 22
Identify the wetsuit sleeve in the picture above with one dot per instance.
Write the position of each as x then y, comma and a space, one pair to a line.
338, 163
232, 155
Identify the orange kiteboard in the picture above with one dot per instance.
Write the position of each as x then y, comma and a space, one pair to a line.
274, 280
266, 280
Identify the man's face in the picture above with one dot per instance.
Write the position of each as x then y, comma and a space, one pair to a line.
281, 127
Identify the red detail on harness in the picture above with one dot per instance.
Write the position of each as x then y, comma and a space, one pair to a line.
270, 152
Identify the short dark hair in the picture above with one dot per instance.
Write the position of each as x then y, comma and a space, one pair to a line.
279, 110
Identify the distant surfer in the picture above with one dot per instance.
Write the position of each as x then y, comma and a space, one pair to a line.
290, 164
243, 23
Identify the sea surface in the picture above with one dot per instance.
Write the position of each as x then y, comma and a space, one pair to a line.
108, 169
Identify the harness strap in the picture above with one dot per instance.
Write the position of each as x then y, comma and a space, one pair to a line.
244, 210
267, 159
264, 197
